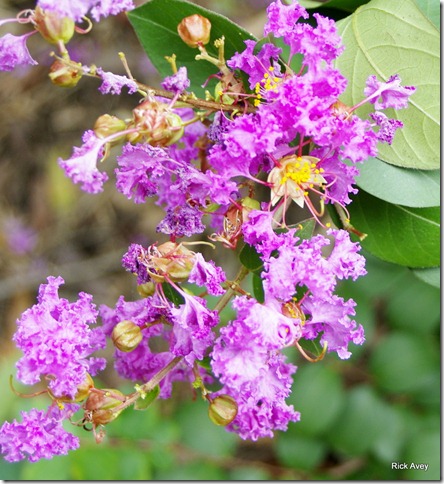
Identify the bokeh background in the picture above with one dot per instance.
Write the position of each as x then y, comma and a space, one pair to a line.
358, 416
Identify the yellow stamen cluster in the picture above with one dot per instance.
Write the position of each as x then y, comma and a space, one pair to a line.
294, 176
268, 83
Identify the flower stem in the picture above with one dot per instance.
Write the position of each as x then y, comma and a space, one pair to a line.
232, 289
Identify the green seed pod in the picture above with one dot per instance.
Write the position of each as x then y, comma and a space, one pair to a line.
222, 410
126, 336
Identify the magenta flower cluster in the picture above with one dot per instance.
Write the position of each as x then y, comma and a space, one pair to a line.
287, 132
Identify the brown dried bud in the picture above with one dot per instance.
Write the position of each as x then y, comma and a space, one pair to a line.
222, 410
176, 261
65, 75
126, 336
102, 404
156, 124
52, 27
107, 125
195, 30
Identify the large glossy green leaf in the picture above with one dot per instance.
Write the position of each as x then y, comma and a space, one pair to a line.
404, 186
431, 9
403, 235
431, 275
384, 38
346, 5
155, 24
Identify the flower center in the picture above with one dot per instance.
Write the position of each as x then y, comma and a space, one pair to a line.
299, 171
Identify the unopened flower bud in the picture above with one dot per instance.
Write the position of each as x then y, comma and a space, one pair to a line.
102, 405
65, 75
147, 289
126, 336
107, 125
176, 261
52, 27
195, 30
222, 410
156, 124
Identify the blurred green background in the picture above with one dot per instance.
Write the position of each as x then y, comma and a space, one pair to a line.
358, 416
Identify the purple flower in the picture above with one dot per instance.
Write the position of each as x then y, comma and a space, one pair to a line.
387, 126
113, 84
207, 274
135, 260
192, 327
257, 66
57, 340
182, 221
178, 82
340, 177
14, 52
82, 166
331, 317
77, 9
258, 232
282, 18
344, 260
246, 359
141, 166
40, 435
321, 43
391, 93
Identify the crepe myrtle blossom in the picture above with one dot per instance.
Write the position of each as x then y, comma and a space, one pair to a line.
57, 340
178, 82
40, 435
14, 52
77, 9
286, 131
247, 361
113, 83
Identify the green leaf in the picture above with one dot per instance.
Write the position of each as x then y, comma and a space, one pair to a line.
346, 5
402, 235
414, 306
431, 9
310, 387
172, 294
404, 362
359, 426
155, 24
424, 448
249, 258
305, 229
300, 452
386, 38
432, 275
150, 397
403, 186
258, 288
